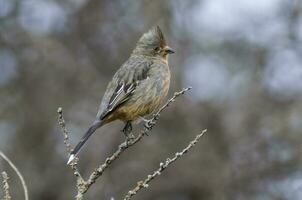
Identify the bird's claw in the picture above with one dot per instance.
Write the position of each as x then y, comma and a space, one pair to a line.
127, 130
149, 124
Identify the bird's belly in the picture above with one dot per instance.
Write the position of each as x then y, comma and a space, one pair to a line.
147, 98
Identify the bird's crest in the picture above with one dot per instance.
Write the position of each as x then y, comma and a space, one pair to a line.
154, 37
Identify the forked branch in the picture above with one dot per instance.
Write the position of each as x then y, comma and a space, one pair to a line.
84, 185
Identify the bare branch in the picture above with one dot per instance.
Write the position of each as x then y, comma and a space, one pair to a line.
82, 185
17, 172
6, 186
64, 131
80, 181
126, 144
145, 183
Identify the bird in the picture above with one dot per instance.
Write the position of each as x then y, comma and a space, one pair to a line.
137, 88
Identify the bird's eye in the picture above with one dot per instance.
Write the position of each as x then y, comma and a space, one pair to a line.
156, 48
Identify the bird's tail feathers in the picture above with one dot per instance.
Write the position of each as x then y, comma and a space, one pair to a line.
85, 137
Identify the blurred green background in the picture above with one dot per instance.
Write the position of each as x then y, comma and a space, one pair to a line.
242, 58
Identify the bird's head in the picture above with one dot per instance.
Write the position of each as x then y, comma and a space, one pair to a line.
153, 43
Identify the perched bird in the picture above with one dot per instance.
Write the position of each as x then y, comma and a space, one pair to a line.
137, 88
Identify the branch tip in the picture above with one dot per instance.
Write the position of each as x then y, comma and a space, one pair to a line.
6, 186
82, 185
60, 110
17, 172
162, 166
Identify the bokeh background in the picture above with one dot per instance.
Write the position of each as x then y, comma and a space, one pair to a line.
242, 58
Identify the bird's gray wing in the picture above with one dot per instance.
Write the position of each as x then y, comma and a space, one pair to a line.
123, 85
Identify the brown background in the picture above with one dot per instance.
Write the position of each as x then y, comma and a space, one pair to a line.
242, 58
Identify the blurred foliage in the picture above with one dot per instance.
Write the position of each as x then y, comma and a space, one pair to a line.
243, 59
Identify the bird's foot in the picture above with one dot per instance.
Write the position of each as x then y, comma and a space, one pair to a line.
144, 119
149, 123
127, 130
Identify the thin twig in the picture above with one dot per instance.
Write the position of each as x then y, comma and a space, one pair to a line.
82, 185
64, 131
6, 186
126, 144
67, 143
17, 172
163, 165
80, 181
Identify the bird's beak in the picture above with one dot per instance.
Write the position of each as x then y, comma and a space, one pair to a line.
169, 50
